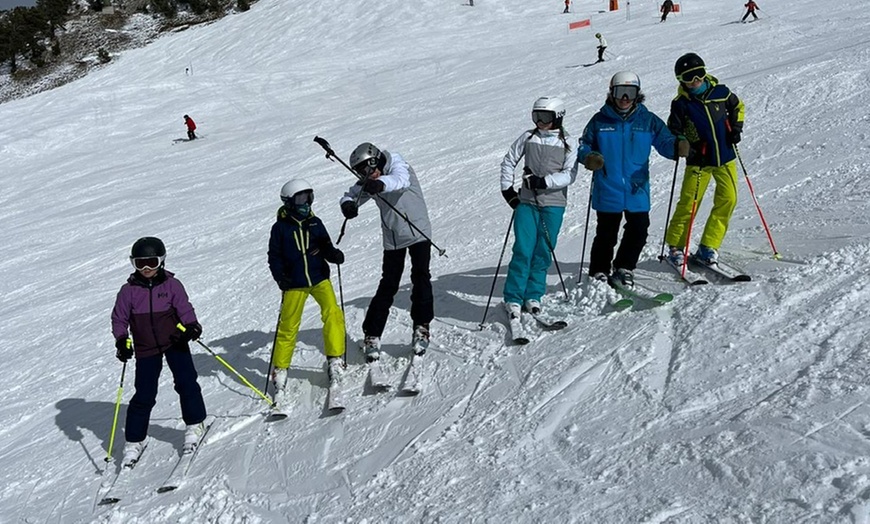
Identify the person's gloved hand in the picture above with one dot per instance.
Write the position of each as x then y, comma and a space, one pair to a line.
373, 187
192, 331
734, 137
593, 161
349, 209
186, 333
535, 183
511, 197
683, 148
335, 256
124, 347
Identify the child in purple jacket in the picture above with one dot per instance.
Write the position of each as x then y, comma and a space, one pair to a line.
149, 307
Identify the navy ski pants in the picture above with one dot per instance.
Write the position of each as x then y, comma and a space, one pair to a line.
147, 377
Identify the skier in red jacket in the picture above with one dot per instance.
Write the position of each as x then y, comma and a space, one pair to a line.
191, 127
750, 6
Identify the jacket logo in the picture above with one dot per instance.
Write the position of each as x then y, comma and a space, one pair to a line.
162, 294
607, 128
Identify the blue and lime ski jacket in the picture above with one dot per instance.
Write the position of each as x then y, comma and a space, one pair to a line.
625, 143
299, 249
705, 121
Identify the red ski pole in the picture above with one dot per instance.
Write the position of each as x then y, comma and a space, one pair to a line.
776, 254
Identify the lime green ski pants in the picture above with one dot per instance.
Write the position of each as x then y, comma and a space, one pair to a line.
695, 180
291, 319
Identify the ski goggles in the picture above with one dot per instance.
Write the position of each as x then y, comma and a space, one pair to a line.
303, 197
366, 167
625, 92
543, 117
692, 75
147, 262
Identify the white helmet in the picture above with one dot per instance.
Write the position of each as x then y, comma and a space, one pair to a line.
291, 188
549, 104
625, 78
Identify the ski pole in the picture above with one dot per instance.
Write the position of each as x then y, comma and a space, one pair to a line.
586, 229
228, 366
691, 221
117, 409
776, 254
549, 242
670, 204
341, 299
497, 268
330, 154
274, 343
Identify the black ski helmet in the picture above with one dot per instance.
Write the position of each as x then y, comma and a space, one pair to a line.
148, 247
689, 63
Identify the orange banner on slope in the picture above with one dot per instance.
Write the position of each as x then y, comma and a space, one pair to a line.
581, 23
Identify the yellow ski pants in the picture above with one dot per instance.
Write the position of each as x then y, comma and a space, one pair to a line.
695, 180
291, 319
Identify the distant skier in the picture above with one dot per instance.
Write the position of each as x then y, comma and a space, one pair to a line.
602, 45
191, 127
299, 249
567, 6
667, 7
710, 117
750, 6
149, 307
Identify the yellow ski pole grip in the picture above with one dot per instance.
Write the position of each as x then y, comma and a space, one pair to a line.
181, 327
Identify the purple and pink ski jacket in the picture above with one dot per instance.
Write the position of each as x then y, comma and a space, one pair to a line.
151, 310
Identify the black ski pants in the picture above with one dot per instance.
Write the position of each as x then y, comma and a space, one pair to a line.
184, 376
755, 16
606, 235
422, 308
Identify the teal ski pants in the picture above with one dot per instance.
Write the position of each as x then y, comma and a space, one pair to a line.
527, 271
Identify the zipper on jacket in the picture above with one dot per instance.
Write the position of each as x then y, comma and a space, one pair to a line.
303, 239
151, 314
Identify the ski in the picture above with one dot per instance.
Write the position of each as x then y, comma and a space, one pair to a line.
721, 270
412, 383
517, 331
278, 411
121, 481
642, 292
335, 401
689, 277
378, 378
548, 324
622, 303
182, 466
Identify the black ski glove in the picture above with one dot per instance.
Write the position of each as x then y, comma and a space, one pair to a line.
511, 197
734, 137
190, 332
373, 187
124, 347
349, 209
535, 183
335, 256
330, 252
